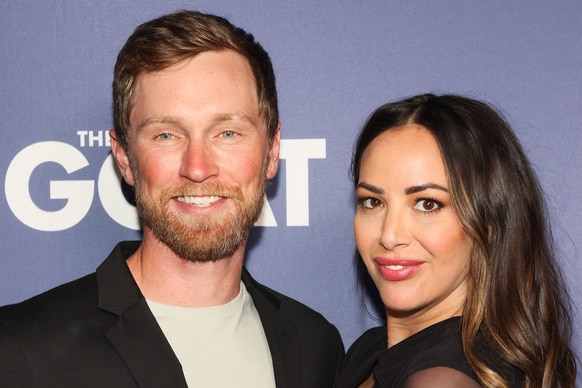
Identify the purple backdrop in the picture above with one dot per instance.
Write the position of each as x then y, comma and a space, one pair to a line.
335, 63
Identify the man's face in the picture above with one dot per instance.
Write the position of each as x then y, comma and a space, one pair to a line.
198, 154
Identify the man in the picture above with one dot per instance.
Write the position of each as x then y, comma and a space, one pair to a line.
197, 135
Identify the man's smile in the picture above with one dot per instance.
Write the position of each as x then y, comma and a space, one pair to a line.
202, 201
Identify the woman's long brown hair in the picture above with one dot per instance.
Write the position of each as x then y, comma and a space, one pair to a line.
516, 296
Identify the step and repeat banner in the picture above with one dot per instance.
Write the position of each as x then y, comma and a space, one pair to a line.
61, 206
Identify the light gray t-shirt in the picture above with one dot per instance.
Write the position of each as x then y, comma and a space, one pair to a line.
219, 346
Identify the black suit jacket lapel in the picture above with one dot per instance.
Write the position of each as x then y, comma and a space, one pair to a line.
280, 332
136, 336
139, 341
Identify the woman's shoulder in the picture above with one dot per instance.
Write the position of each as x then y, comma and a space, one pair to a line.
361, 357
447, 351
372, 341
442, 347
486, 354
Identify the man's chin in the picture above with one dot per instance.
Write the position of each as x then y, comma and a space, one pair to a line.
202, 242
205, 253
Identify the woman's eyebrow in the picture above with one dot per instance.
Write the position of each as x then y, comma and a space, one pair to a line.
424, 186
369, 187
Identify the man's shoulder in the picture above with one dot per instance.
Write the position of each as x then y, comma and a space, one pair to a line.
76, 298
286, 305
306, 320
303, 335
297, 310
55, 304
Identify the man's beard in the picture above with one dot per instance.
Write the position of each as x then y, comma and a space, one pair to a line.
201, 238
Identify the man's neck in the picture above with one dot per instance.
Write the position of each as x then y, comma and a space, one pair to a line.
164, 277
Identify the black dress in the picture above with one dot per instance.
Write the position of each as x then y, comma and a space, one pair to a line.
437, 345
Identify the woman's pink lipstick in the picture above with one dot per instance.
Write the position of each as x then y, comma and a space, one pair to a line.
397, 269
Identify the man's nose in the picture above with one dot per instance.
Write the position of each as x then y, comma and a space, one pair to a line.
199, 161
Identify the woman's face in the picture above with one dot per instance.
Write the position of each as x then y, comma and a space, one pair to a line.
410, 240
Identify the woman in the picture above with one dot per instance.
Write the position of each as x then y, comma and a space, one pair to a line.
450, 225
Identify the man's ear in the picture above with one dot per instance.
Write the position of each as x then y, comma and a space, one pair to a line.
122, 158
274, 153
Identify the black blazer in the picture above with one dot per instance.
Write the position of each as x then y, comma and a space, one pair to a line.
98, 331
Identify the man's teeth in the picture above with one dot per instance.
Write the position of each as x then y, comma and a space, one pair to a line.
395, 267
200, 201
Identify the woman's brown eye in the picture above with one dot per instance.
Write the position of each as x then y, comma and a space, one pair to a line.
370, 203
428, 205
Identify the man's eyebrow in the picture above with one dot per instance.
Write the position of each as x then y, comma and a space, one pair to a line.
424, 186
369, 187
158, 120
217, 118
237, 116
